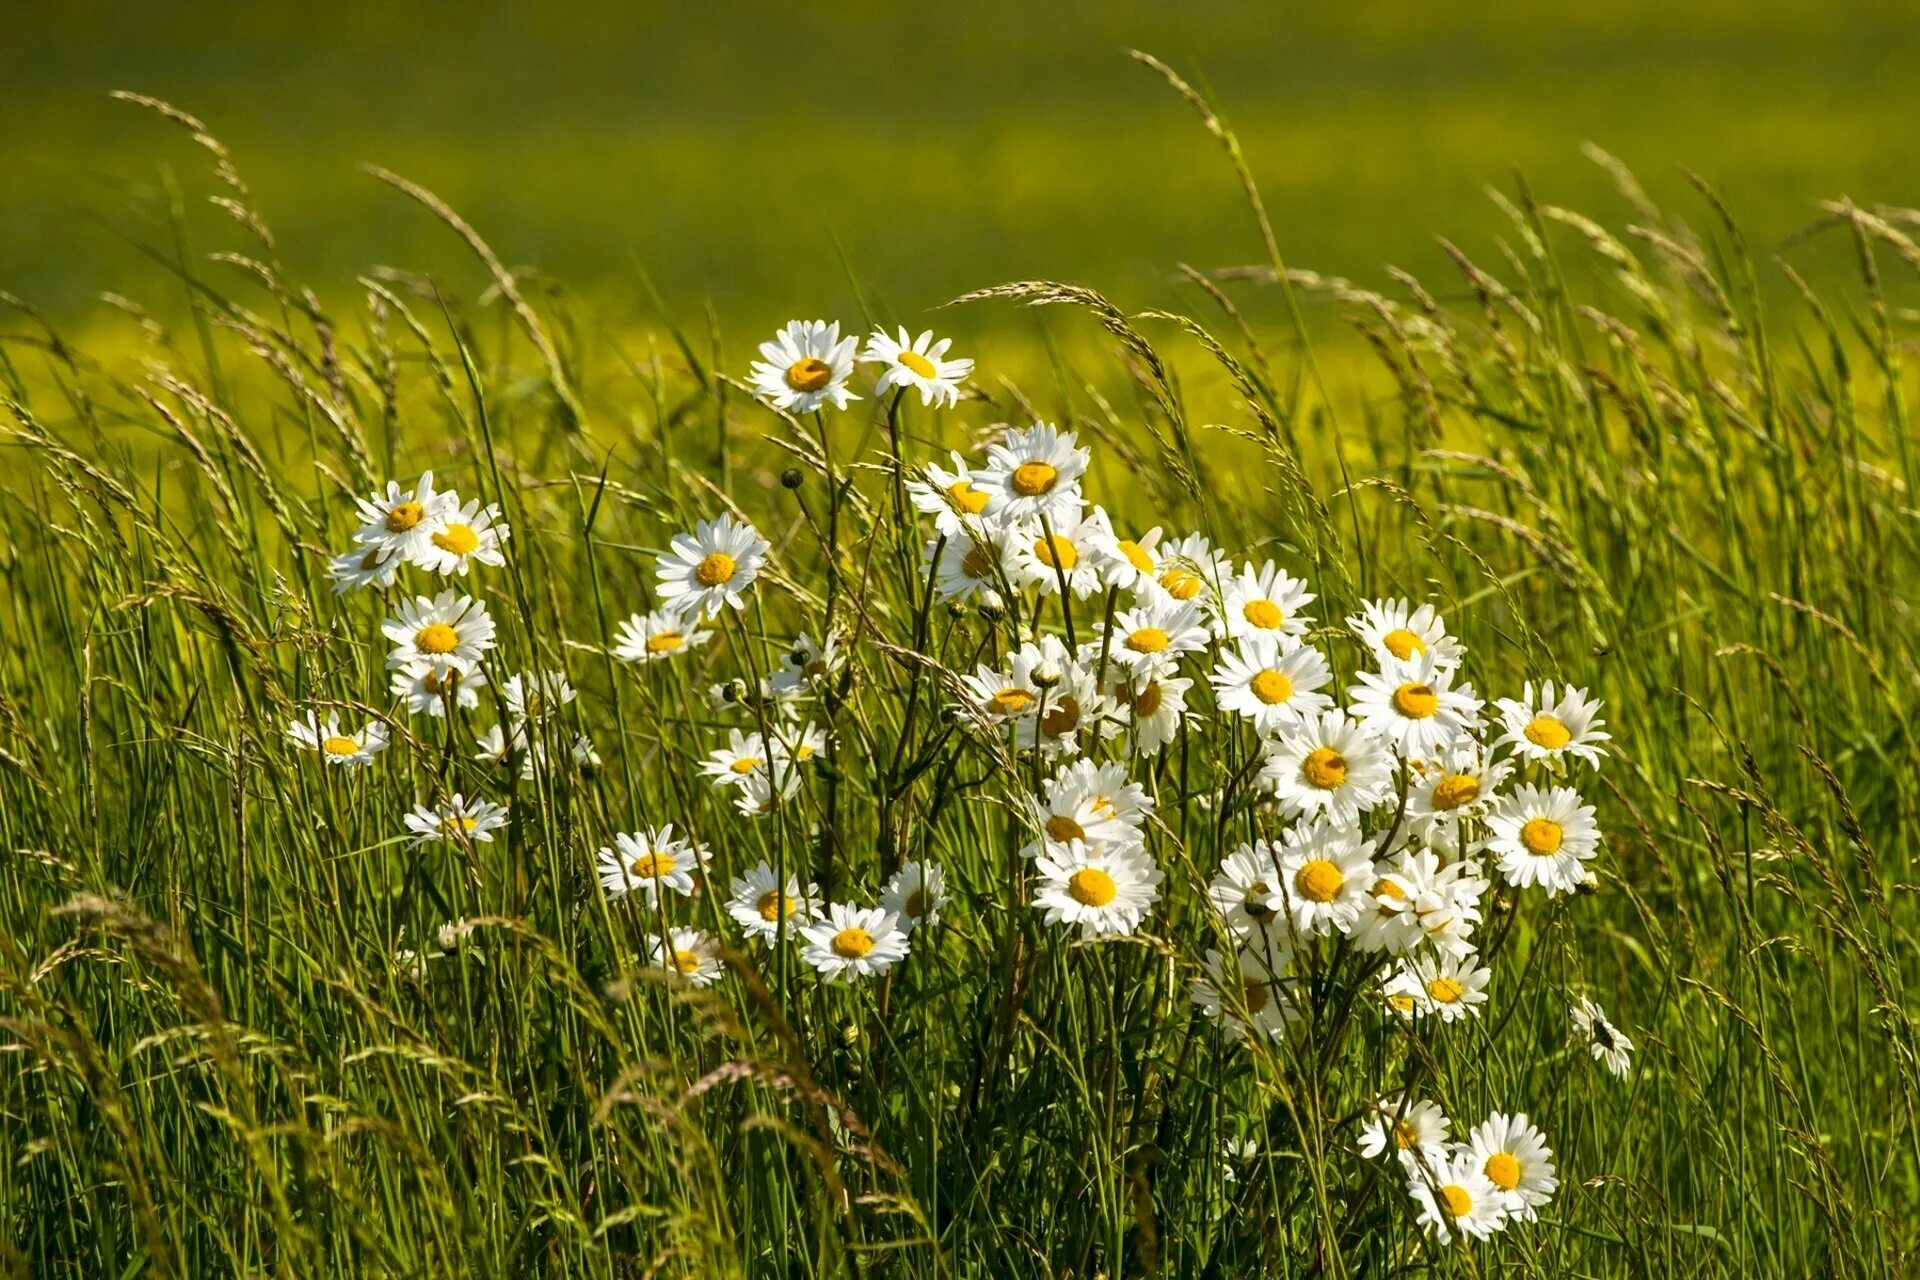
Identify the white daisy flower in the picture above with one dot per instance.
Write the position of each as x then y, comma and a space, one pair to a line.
1149, 638
1106, 786
798, 743
853, 941
458, 821
966, 569
1104, 891
498, 747
766, 790
1543, 836
1414, 1131
1328, 766
731, 765
1191, 570
1397, 631
1448, 986
1415, 706
807, 665
1387, 921
1517, 1161
1456, 1200
915, 893
363, 567
1127, 563
1042, 555
449, 630
348, 750
652, 637
1443, 901
585, 756
1608, 1044
402, 522
805, 366
711, 567
759, 903
1012, 693
1154, 706
919, 363
1324, 878
1264, 601
465, 536
428, 687
1457, 783
1070, 820
1032, 473
1247, 892
690, 955
1271, 685
949, 496
1263, 1002
650, 861
536, 697
1551, 731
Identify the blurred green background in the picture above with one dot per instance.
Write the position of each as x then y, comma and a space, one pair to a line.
738, 151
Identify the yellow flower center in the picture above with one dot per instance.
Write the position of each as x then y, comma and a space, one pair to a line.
774, 905
1264, 614
460, 539
1062, 718
977, 564
1255, 902
372, 560
440, 680
1455, 790
1136, 557
1092, 887
1388, 891
1256, 997
809, 374
1271, 687
1416, 701
1503, 1171
851, 944
715, 569
686, 961
1062, 828
652, 866
339, 745
918, 364
1403, 644
1459, 1202
1056, 552
404, 516
967, 498
1548, 733
1147, 701
1181, 584
436, 637
1445, 990
919, 903
1319, 880
1402, 1003
1009, 702
1542, 837
459, 822
1148, 640
1405, 1135
665, 641
745, 764
1031, 479
1324, 768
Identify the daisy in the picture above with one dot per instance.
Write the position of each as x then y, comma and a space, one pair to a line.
1033, 473
764, 790
730, 766
1264, 601
1455, 1199
966, 569
1149, 638
448, 630
1263, 1002
1072, 822
1515, 1157
1551, 731
651, 637
759, 903
402, 522
915, 894
585, 756
465, 536
348, 750
857, 941
650, 861
1450, 986
1009, 694
1328, 766
1454, 784
429, 687
1154, 705
1543, 836
535, 698
919, 363
1045, 554
363, 567
805, 366
1415, 706
690, 955
1387, 921
456, 822
497, 747
1106, 786
1073, 707
1190, 570
710, 567
1105, 891
1443, 902
1324, 877
1396, 631
1127, 563
1246, 890
797, 743
1609, 1045
1415, 1131
1270, 685
806, 666
949, 496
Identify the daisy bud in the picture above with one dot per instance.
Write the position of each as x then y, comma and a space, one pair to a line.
791, 478
957, 608
1046, 677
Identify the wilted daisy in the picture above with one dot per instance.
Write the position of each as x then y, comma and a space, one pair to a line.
1153, 705
915, 893
1608, 1044
710, 567
919, 363
1150, 637
1415, 706
853, 941
1245, 990
949, 496
759, 903
650, 861
449, 630
1328, 766
536, 697
402, 522
1456, 1199
805, 366
1397, 631
651, 637
689, 954
1454, 784
1447, 986
457, 821
1324, 877
1517, 1161
348, 750
464, 536
1264, 601
1104, 890
1032, 473
363, 567
1269, 684
1413, 1130
428, 687
1543, 836
1551, 730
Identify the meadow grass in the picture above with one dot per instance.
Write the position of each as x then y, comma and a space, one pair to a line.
251, 1031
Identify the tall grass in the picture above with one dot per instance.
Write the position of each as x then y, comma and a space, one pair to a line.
1600, 455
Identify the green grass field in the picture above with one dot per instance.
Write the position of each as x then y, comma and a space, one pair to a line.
253, 1027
